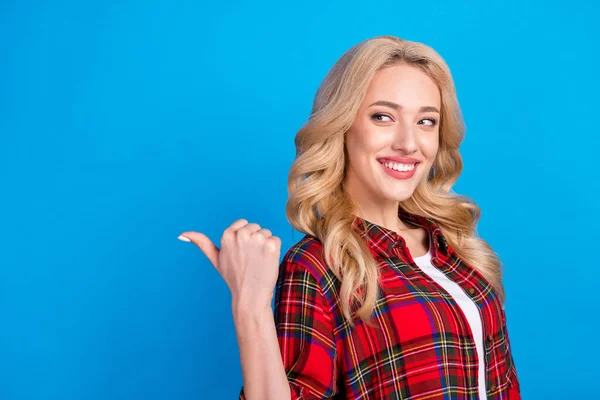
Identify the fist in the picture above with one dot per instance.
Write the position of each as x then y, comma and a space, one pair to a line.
248, 260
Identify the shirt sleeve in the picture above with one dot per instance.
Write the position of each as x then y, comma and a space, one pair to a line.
305, 334
515, 387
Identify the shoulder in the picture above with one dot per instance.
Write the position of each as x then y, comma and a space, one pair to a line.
303, 265
306, 254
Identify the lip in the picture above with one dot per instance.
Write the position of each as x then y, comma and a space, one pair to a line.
398, 174
398, 159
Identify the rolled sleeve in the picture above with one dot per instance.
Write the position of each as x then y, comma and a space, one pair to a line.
305, 334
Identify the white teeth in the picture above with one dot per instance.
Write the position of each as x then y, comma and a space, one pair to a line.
400, 167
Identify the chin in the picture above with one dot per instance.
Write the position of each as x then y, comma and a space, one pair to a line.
399, 196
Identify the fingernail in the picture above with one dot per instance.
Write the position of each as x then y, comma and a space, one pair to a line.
183, 238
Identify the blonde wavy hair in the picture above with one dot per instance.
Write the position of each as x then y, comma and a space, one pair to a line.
319, 206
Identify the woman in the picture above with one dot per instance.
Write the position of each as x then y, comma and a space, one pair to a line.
390, 294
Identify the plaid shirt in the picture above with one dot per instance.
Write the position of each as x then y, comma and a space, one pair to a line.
420, 346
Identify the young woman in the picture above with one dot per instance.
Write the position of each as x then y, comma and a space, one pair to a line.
390, 294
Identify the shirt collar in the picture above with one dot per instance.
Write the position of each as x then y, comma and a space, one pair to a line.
382, 240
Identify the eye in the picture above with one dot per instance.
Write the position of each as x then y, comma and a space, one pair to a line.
432, 121
380, 117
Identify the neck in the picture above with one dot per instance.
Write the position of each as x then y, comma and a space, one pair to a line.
380, 212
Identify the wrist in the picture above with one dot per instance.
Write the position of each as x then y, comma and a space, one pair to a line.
251, 321
250, 308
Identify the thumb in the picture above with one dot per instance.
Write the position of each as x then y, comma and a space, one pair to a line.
204, 243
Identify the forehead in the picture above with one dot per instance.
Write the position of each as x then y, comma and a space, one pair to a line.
405, 85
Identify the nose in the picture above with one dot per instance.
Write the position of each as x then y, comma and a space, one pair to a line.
405, 138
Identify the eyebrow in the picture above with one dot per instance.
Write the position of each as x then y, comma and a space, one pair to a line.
397, 106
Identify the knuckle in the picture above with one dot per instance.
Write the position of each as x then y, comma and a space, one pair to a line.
273, 244
242, 236
227, 235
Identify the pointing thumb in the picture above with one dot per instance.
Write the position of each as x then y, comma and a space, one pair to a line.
204, 243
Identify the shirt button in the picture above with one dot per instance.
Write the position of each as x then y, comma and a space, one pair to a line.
490, 337
492, 388
472, 290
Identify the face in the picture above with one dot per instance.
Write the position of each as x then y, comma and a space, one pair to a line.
394, 138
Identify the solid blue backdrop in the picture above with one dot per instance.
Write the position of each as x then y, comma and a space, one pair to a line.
125, 123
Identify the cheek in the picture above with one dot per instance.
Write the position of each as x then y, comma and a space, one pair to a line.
362, 143
351, 147
429, 145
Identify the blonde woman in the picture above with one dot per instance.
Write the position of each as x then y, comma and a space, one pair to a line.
390, 294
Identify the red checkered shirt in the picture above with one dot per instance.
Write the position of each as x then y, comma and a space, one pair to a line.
420, 345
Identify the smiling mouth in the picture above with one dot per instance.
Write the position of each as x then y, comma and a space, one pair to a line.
399, 166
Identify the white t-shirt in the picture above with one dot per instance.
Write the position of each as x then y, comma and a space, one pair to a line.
468, 307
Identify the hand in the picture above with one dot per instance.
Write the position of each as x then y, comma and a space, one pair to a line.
248, 261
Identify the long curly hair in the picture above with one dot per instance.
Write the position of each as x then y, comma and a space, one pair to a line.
318, 204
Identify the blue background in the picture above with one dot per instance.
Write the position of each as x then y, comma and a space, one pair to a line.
125, 123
